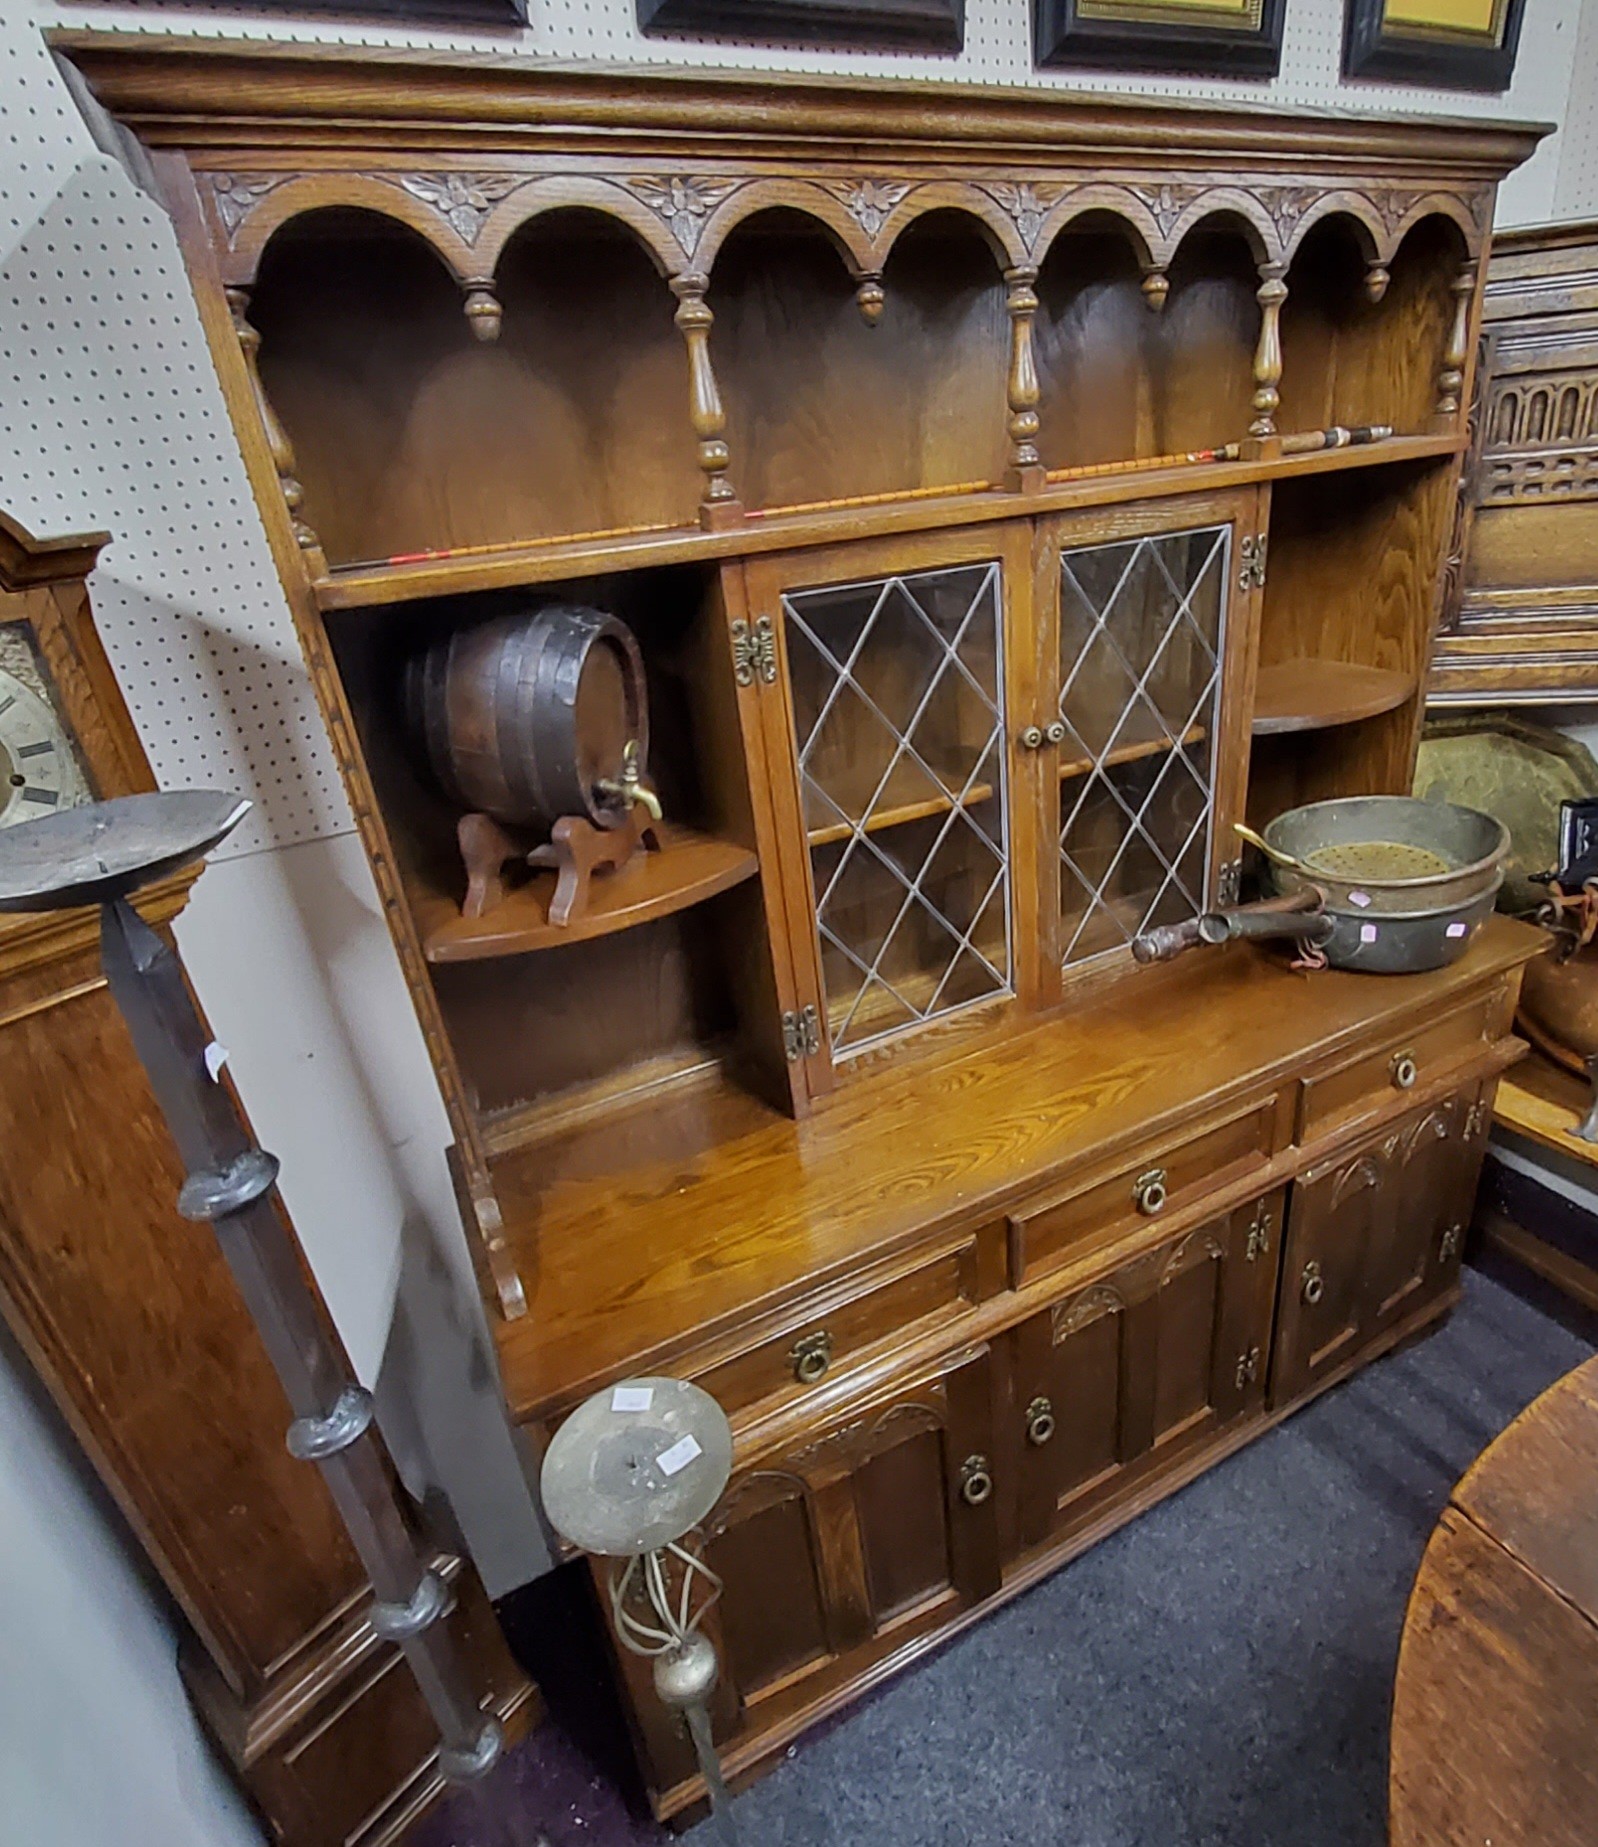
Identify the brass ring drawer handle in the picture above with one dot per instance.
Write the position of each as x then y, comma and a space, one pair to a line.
1149, 1192
1314, 1284
976, 1482
1404, 1070
811, 1357
1039, 1422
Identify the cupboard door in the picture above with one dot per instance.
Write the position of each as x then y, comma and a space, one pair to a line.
1122, 1378
1146, 656
1374, 1234
895, 683
834, 1553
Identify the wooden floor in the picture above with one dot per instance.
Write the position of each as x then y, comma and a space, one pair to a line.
1495, 1710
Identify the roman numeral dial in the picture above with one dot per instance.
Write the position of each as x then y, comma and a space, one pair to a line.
38, 769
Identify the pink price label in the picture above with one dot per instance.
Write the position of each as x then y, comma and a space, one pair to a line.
1456, 929
1367, 933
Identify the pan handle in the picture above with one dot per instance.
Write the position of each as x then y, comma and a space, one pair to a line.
1297, 913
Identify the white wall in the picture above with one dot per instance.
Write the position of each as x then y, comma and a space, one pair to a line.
96, 1745
110, 417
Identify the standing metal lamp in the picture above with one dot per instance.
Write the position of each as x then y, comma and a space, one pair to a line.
627, 1477
98, 854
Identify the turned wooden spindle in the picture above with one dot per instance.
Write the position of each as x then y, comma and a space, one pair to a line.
1272, 292
1451, 379
869, 297
719, 506
1156, 286
1024, 473
483, 310
277, 442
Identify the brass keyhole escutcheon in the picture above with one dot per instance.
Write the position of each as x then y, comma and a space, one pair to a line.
976, 1482
1039, 1422
1405, 1070
1314, 1286
1149, 1193
811, 1357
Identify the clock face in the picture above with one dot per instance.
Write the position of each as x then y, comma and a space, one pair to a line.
39, 768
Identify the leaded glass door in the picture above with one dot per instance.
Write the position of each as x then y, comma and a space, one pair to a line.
896, 662
1151, 636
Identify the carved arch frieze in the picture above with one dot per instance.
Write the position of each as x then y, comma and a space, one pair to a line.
1404, 208
1080, 1311
1356, 210
1233, 209
1359, 1174
752, 1493
1129, 212
1197, 1246
825, 202
991, 222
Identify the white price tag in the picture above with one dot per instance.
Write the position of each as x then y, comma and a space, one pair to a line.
1367, 933
1361, 898
215, 1058
632, 1398
1456, 929
674, 1460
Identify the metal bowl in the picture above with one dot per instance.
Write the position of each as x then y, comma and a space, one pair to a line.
1472, 846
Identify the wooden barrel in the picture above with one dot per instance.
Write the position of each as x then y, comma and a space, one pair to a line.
523, 716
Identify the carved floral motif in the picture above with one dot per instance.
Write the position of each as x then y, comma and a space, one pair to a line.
1286, 205
238, 194
869, 201
1026, 205
1166, 202
683, 203
462, 200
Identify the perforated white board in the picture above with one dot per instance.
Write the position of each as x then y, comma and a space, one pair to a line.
110, 415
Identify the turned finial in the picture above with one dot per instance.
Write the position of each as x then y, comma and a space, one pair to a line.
483, 310
869, 297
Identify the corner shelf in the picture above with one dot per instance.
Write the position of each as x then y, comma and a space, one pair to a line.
1311, 695
689, 868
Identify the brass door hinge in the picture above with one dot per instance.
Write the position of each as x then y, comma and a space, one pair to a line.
801, 1034
1248, 1367
1251, 574
754, 650
1259, 1236
1228, 882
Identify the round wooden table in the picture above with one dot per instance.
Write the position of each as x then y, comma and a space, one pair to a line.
1495, 1709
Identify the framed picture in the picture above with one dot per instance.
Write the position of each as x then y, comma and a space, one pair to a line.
1206, 37
889, 25
1438, 44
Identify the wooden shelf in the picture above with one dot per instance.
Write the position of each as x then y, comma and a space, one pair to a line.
1140, 738
900, 814
1545, 1102
1308, 695
512, 566
689, 868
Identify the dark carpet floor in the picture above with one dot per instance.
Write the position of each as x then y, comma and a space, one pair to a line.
1217, 1674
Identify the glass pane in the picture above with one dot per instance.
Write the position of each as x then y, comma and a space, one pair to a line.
900, 728
1140, 675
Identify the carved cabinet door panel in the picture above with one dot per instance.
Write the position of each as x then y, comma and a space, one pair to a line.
1374, 1234
836, 1553
1126, 1375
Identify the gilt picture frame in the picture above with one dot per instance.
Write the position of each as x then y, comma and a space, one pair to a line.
1433, 44
870, 25
1221, 38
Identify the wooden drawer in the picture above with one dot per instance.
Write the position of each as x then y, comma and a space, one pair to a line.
1158, 1183
1405, 1062
792, 1353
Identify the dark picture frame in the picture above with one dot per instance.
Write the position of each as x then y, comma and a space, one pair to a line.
871, 25
1375, 49
1150, 35
438, 13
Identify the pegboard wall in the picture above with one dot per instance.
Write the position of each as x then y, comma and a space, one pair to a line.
111, 417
